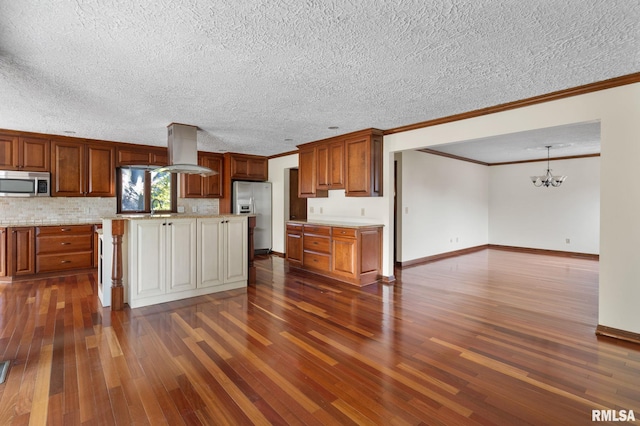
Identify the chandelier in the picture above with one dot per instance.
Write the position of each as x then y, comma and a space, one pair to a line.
548, 179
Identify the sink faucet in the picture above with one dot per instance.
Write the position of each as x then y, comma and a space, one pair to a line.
155, 203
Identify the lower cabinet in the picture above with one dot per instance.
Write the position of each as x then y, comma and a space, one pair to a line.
222, 251
176, 258
60, 248
349, 254
294, 243
3, 252
21, 253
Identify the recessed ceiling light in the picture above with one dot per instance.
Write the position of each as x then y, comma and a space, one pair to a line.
288, 140
333, 127
69, 132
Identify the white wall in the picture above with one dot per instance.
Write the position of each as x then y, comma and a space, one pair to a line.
279, 178
618, 110
522, 215
444, 205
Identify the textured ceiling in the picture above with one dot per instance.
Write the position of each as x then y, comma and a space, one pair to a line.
252, 74
565, 141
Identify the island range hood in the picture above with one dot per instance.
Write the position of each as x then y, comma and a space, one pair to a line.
183, 151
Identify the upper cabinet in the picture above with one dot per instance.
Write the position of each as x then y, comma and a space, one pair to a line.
363, 163
196, 186
24, 153
141, 156
82, 169
352, 162
330, 165
248, 167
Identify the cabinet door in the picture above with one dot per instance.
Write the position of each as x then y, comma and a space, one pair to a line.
8, 152
358, 165
323, 166
191, 186
344, 253
101, 171
210, 241
181, 254
294, 246
248, 167
212, 185
133, 157
68, 174
258, 169
22, 251
35, 155
307, 185
336, 165
236, 250
148, 246
3, 252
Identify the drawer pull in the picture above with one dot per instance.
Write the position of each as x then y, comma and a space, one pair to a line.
65, 244
65, 229
66, 261
342, 232
315, 243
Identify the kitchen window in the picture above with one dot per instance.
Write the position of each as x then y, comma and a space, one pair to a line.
141, 190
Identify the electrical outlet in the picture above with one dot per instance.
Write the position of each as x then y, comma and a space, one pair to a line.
456, 239
194, 209
311, 209
568, 241
180, 209
362, 211
406, 210
321, 210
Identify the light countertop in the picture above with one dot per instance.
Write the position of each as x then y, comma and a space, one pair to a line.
339, 224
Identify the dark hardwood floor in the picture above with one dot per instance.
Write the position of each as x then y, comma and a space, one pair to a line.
492, 337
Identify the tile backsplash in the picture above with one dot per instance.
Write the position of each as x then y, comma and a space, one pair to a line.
70, 210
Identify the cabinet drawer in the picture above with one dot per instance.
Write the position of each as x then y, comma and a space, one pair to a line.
292, 227
64, 230
316, 261
63, 243
344, 232
61, 262
318, 230
319, 244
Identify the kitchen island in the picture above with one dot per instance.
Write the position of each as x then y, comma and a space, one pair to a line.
161, 258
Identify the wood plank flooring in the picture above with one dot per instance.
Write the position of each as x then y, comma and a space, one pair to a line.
491, 337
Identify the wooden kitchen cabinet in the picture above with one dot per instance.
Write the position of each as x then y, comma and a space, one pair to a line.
82, 169
3, 252
196, 186
307, 173
248, 167
330, 165
363, 164
141, 156
352, 254
21, 259
352, 162
60, 248
294, 243
24, 153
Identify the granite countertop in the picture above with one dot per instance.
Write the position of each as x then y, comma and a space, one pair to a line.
337, 223
36, 222
145, 216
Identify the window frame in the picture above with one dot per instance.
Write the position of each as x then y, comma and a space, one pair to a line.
147, 191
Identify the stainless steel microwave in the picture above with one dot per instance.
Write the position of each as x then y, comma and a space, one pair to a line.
24, 184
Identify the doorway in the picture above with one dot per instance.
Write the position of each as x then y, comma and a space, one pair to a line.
297, 205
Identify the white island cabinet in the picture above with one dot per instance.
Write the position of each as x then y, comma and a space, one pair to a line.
222, 251
175, 258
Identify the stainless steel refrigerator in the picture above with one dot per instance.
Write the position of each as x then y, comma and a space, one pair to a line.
255, 197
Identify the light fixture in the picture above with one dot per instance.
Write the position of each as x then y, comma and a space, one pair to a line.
548, 179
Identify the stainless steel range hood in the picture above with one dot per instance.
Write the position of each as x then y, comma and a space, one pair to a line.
183, 151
